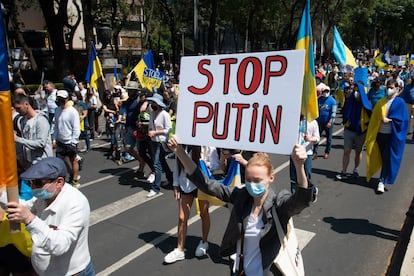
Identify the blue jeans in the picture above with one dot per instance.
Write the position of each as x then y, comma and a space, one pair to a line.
160, 164
88, 271
292, 170
328, 134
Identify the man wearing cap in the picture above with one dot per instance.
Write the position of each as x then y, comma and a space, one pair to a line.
66, 134
131, 107
327, 113
58, 221
158, 130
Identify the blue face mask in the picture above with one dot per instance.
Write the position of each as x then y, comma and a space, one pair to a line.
42, 193
256, 189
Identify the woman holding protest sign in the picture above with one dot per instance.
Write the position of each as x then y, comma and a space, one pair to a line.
257, 211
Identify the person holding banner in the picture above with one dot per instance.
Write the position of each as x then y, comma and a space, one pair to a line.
185, 192
253, 208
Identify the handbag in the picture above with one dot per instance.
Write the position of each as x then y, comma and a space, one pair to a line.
289, 259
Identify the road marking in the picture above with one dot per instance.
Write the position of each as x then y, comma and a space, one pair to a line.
84, 185
117, 207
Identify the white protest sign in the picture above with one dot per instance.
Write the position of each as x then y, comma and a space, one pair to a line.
241, 101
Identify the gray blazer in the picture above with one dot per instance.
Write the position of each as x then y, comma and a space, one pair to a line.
287, 205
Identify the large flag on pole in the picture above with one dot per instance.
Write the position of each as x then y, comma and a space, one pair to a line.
304, 41
8, 164
342, 53
94, 71
146, 72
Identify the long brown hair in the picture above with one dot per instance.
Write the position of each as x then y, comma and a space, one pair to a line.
195, 156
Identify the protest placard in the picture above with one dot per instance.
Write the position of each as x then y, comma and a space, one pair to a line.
247, 101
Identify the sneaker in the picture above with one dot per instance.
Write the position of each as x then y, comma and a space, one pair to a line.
201, 249
315, 194
152, 193
128, 157
151, 178
380, 188
173, 256
139, 174
77, 178
75, 184
355, 174
341, 176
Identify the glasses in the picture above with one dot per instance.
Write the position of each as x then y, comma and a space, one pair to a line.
38, 183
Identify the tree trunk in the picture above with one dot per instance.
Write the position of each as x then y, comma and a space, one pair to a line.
87, 7
212, 28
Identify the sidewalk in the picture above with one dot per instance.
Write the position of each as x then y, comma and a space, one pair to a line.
402, 261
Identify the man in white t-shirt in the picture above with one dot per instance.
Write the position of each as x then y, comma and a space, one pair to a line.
66, 134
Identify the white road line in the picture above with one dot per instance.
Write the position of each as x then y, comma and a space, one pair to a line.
149, 245
303, 236
117, 207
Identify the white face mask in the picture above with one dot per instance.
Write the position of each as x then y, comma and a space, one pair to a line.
391, 92
325, 94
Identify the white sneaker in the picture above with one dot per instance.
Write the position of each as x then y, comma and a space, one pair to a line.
381, 188
151, 178
152, 193
173, 256
201, 249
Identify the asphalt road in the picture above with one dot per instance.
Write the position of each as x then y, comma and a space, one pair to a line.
349, 231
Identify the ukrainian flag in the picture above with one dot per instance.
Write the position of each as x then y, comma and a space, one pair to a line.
304, 41
146, 73
115, 80
342, 53
412, 59
8, 163
94, 71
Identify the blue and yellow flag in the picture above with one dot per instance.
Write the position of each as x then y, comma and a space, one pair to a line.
233, 178
8, 163
94, 71
115, 80
342, 53
411, 59
147, 74
304, 41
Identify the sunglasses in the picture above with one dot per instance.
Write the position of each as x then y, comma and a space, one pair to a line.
38, 183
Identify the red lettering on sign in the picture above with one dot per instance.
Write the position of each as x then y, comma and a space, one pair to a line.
227, 62
198, 120
274, 126
239, 117
268, 73
224, 135
252, 136
256, 76
205, 72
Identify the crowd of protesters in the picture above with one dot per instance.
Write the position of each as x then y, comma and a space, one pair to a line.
139, 122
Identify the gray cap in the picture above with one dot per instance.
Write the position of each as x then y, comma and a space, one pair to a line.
133, 85
47, 168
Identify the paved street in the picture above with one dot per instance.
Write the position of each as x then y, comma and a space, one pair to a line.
349, 231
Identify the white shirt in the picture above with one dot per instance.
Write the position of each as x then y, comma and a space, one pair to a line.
160, 121
67, 125
312, 130
252, 261
51, 102
60, 234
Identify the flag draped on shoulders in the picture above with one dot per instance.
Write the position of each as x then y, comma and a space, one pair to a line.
399, 127
94, 70
146, 72
341, 52
304, 41
8, 163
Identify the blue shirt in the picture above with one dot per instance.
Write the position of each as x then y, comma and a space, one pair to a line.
327, 107
375, 95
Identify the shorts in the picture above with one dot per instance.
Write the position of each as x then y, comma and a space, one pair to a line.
66, 150
12, 260
130, 140
192, 193
353, 140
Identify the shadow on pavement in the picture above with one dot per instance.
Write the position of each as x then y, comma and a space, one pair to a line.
360, 180
191, 242
361, 227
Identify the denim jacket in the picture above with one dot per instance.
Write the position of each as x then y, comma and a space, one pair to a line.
287, 205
